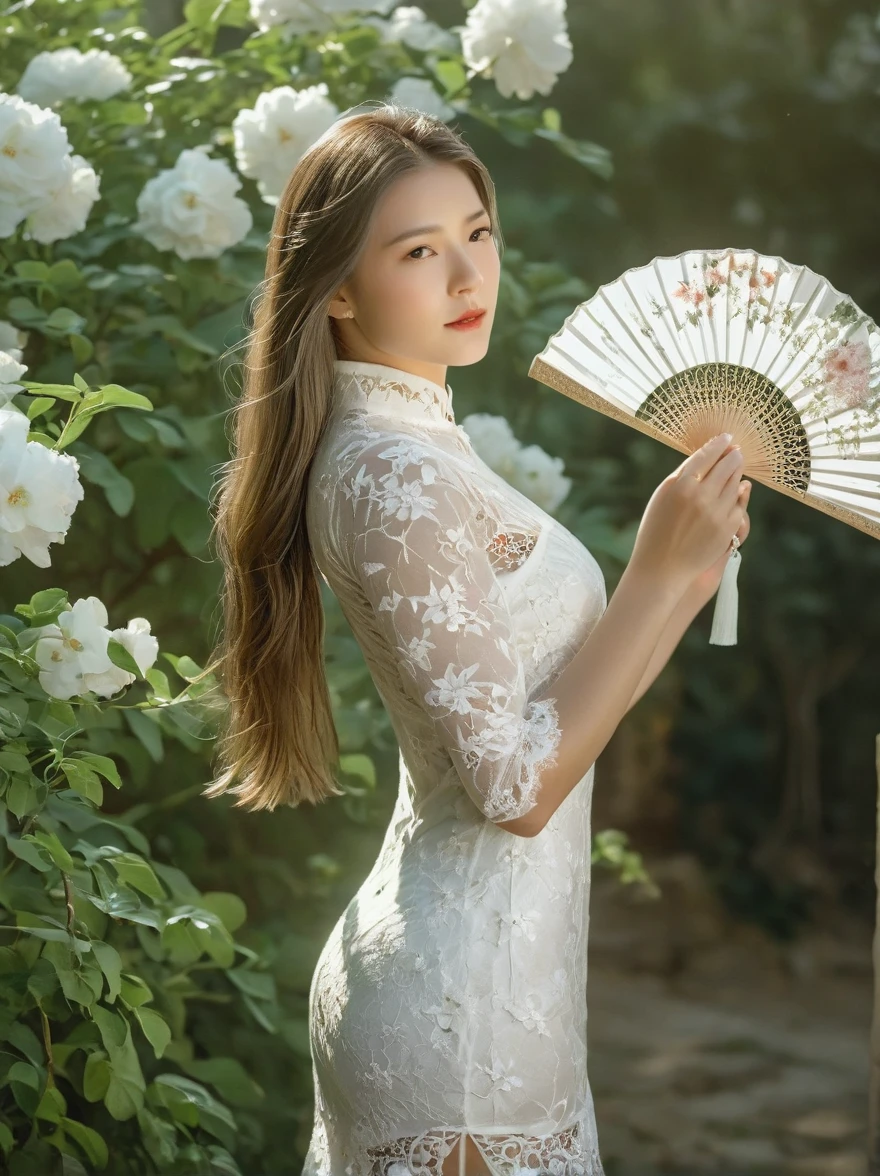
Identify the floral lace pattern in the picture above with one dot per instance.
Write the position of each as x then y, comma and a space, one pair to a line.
557, 1154
509, 551
449, 1000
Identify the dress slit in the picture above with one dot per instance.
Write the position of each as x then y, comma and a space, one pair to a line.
438, 1152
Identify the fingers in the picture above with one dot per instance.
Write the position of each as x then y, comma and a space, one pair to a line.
723, 479
703, 459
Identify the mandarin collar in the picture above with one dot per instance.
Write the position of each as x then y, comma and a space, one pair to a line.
392, 391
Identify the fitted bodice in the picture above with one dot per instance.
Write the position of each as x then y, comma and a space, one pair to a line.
451, 993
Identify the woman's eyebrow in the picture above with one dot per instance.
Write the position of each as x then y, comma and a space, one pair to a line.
431, 229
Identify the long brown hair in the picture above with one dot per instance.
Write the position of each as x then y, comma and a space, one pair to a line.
279, 740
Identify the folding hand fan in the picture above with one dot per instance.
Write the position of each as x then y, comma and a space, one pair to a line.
731, 341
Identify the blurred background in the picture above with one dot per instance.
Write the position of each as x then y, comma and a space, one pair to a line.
735, 807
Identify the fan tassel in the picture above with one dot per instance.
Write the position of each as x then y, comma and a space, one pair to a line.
726, 603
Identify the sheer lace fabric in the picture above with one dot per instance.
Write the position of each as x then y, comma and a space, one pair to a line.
557, 1152
450, 997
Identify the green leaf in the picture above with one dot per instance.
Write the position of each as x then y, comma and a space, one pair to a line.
82, 347
156, 1029
25, 1081
64, 276
39, 405
44, 606
64, 321
260, 985
115, 394
26, 1041
185, 666
7, 1139
357, 764
89, 1140
81, 980
159, 681
96, 1076
23, 796
175, 1090
228, 907
138, 873
125, 1093
97, 468
229, 1077
110, 964
27, 851
57, 852
52, 1105
14, 761
23, 312
551, 119
451, 75
102, 764
591, 155
82, 780
121, 657
44, 927
135, 991
57, 391
32, 271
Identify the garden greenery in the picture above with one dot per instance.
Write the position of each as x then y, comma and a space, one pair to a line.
138, 169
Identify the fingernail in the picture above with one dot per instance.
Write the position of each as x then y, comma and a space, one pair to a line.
726, 437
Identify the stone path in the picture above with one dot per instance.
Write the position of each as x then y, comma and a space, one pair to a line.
744, 1059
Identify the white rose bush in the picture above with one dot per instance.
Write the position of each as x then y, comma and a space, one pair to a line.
147, 1025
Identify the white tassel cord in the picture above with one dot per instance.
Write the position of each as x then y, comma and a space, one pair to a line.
727, 602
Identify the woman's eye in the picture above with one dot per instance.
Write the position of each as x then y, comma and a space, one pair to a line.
484, 229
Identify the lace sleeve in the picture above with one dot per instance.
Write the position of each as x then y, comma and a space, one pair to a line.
438, 602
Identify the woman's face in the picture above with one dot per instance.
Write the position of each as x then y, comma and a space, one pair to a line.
429, 256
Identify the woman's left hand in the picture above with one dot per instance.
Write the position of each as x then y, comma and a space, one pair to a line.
706, 584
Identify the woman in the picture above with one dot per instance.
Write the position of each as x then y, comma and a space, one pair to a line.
448, 1008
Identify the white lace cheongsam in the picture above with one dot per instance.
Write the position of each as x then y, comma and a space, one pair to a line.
449, 1002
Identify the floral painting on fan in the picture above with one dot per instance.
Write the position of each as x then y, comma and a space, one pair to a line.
729, 340
844, 372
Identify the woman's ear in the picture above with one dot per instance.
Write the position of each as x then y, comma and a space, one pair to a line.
340, 308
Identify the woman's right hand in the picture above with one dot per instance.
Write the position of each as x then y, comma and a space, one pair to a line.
693, 514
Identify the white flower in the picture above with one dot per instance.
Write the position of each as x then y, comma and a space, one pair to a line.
419, 94
142, 646
39, 490
12, 341
540, 477
530, 469
66, 207
522, 44
75, 645
10, 371
493, 440
272, 137
409, 25
73, 653
298, 16
57, 74
309, 16
34, 152
192, 208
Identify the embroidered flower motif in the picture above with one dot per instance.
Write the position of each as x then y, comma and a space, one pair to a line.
519, 925
500, 1073
527, 1012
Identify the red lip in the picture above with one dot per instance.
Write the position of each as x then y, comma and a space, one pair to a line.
468, 314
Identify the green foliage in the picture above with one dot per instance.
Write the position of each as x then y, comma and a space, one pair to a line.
142, 1017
